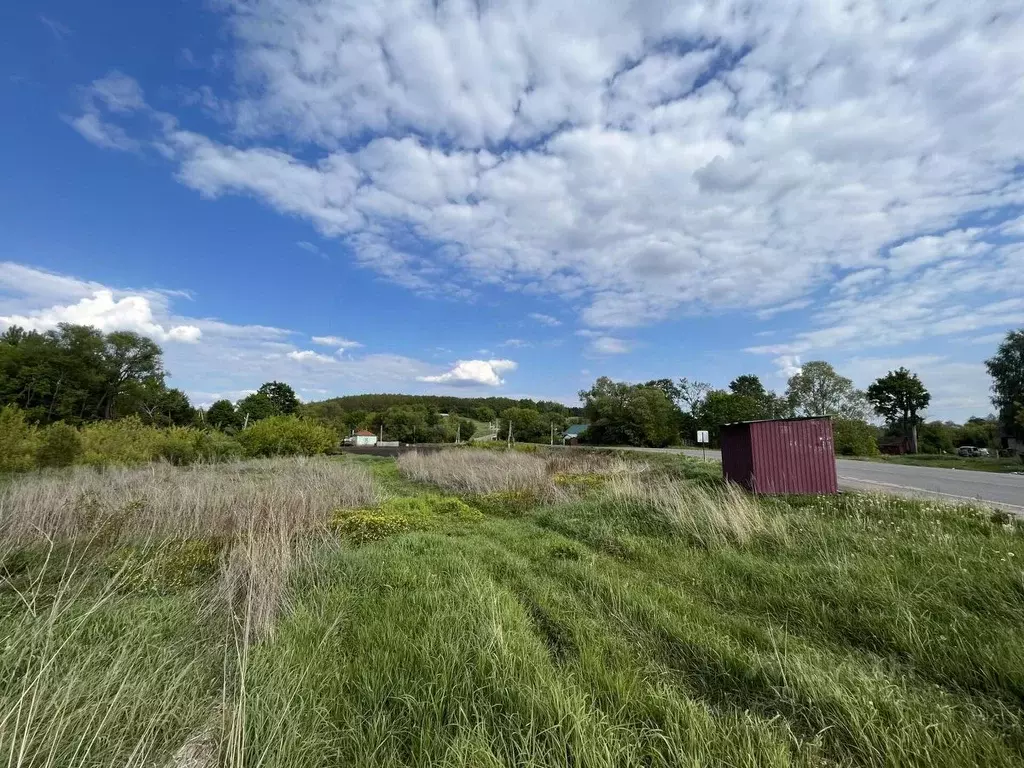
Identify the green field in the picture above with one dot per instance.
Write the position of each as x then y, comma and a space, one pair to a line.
492, 608
948, 461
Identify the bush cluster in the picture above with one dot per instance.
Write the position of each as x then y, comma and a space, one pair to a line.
24, 446
286, 436
854, 438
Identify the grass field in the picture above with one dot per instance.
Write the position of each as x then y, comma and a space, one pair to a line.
488, 608
948, 461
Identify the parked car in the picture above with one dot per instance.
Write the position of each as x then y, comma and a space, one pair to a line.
970, 450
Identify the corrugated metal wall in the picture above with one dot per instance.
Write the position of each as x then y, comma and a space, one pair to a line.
793, 456
737, 456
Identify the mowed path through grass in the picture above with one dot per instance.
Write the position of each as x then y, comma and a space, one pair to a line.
499, 609
862, 631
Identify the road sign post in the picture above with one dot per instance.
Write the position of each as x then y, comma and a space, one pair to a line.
702, 438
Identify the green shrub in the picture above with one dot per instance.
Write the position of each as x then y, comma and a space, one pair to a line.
126, 441
59, 446
217, 446
18, 441
179, 445
854, 438
286, 436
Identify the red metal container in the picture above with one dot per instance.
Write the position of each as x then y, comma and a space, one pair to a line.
780, 455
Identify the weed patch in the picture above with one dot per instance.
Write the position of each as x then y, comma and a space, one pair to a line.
163, 568
403, 513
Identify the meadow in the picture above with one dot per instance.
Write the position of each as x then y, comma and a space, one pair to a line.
498, 608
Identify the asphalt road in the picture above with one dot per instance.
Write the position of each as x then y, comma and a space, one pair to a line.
1000, 490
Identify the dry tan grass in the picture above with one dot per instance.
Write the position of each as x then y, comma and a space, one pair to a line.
710, 516
579, 462
161, 501
470, 471
475, 471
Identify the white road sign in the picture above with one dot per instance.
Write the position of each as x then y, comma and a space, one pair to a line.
702, 436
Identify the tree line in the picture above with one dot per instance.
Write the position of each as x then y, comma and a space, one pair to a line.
441, 419
665, 412
77, 375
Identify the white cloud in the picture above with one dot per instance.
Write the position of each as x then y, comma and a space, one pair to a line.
787, 365
309, 356
336, 341
990, 339
473, 373
107, 313
231, 360
769, 168
515, 343
609, 345
544, 319
103, 134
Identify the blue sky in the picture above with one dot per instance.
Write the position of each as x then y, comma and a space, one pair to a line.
517, 198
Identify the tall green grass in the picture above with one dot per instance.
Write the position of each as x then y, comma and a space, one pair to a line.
654, 618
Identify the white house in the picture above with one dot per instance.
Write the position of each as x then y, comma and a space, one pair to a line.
362, 437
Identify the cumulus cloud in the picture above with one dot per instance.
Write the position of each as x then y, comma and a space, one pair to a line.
765, 158
473, 373
107, 313
232, 360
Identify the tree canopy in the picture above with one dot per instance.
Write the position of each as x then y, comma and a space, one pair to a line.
819, 391
78, 374
629, 414
1006, 368
899, 397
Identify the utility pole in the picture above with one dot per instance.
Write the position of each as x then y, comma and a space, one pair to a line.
509, 443
458, 432
381, 432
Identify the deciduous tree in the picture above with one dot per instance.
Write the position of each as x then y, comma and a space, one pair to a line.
819, 391
899, 397
628, 414
1006, 368
281, 396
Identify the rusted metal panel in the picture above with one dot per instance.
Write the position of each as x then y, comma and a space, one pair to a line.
737, 454
793, 456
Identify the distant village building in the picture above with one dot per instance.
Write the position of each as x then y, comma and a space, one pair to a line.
571, 436
362, 437
895, 446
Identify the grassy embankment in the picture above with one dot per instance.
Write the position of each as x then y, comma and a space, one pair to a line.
487, 608
948, 461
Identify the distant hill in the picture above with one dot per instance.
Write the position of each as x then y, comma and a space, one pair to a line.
463, 406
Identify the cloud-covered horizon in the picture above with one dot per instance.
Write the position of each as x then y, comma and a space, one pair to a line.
854, 168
